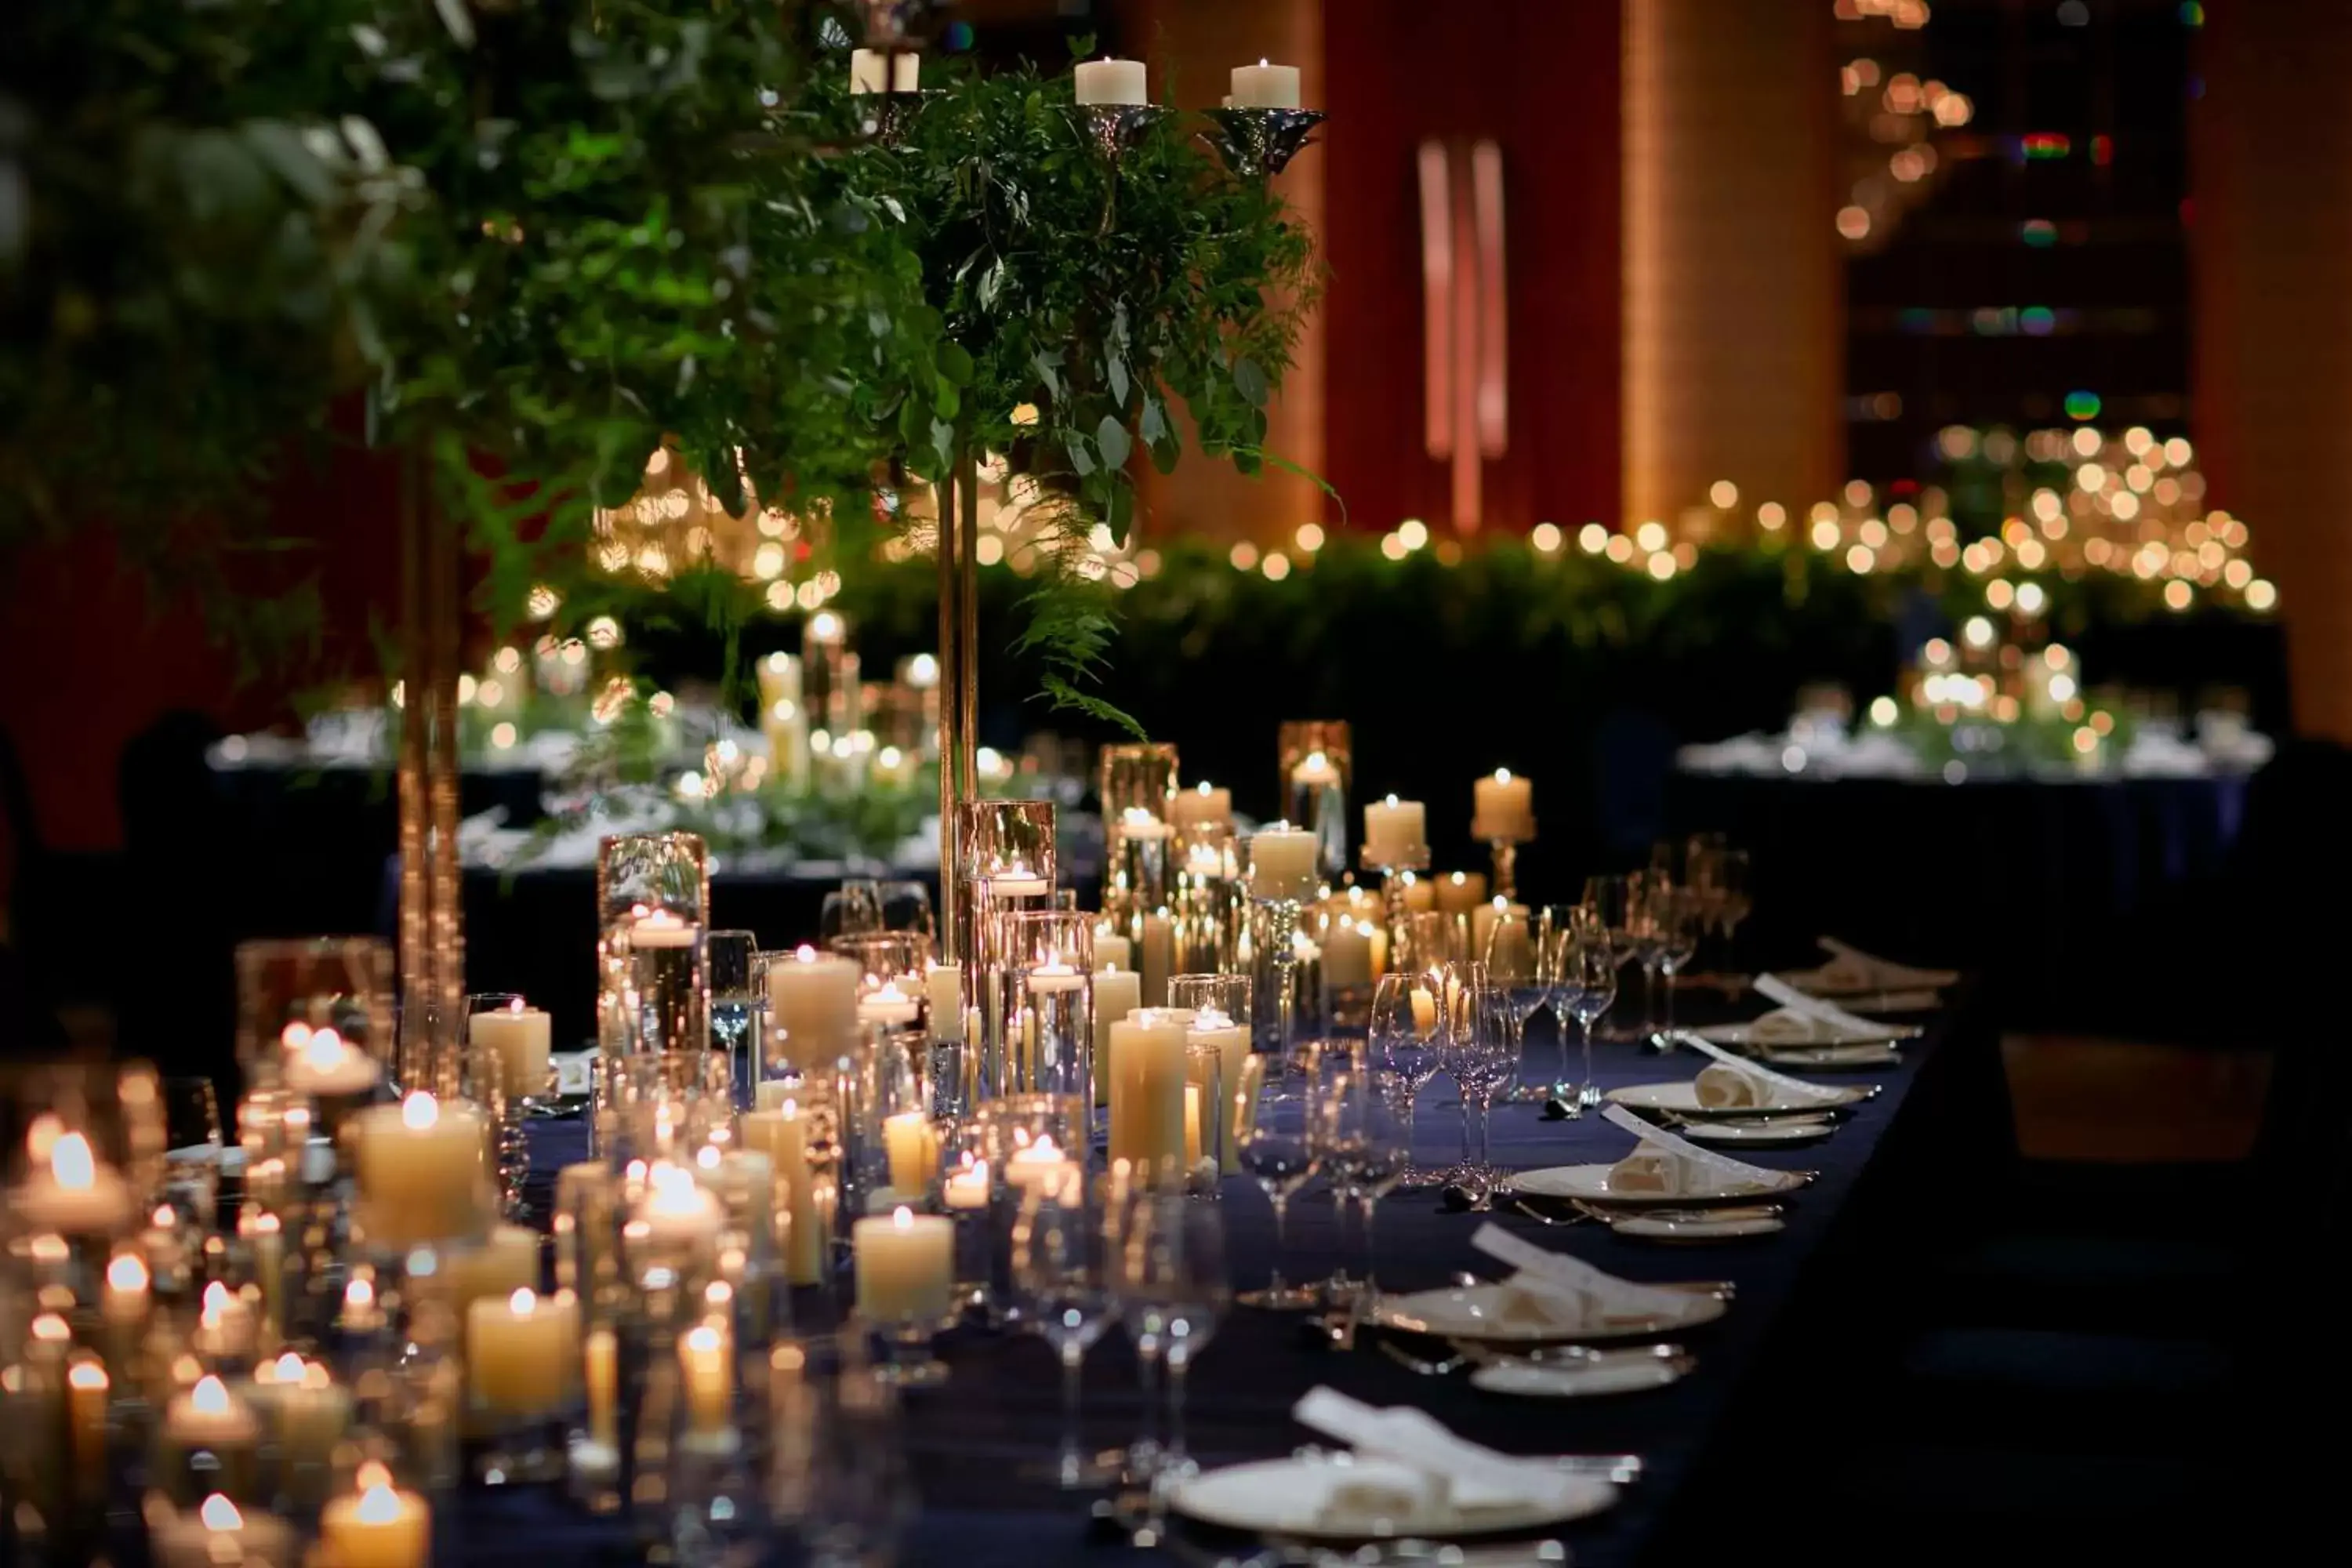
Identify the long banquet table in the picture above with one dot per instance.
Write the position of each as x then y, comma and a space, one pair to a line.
973, 1441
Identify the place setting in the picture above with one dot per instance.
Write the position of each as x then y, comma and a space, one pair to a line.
1739, 1100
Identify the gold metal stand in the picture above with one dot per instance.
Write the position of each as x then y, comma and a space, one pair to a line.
959, 559
432, 915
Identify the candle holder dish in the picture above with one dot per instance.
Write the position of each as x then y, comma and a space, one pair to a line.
1258, 144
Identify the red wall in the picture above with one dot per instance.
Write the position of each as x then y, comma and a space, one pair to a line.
1541, 77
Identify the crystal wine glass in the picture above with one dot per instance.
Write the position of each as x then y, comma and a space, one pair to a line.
1407, 1030
1168, 1276
1477, 1057
1277, 1150
1365, 1146
1057, 1272
1673, 926
1615, 900
1511, 968
1585, 960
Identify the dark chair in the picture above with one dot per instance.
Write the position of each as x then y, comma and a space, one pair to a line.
31, 966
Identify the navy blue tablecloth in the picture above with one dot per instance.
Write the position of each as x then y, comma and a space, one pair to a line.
971, 1439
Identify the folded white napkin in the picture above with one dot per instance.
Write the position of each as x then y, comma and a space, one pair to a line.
1850, 967
1787, 1026
1373, 1495
1796, 1001
1696, 1166
1475, 1477
1574, 1283
1779, 1088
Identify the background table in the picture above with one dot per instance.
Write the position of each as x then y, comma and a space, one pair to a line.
971, 1440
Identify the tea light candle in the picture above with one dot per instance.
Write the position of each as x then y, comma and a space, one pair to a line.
224, 1324
1347, 955
906, 1139
519, 1353
377, 1526
881, 71
1117, 993
1283, 862
1112, 951
1054, 978
421, 1171
1395, 832
1111, 81
219, 1533
905, 1265
1015, 881
702, 1361
1038, 1164
517, 1037
1461, 893
1314, 769
75, 1195
945, 983
676, 1211
659, 928
1137, 823
1503, 807
321, 1062
313, 1412
208, 1418
888, 1006
782, 1136
813, 999
1201, 806
1147, 1090
967, 1187
1263, 86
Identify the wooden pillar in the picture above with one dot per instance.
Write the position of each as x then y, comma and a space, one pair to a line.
1735, 343
2270, 247
1193, 44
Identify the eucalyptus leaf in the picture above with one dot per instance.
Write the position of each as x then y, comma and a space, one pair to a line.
1111, 436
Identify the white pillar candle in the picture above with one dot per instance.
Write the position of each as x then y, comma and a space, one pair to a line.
812, 1001
782, 1135
1283, 862
905, 1266
906, 1140
312, 1414
321, 1061
876, 70
1347, 955
423, 1175
676, 1211
1202, 806
1461, 891
1481, 927
1232, 1045
1117, 993
377, 1526
1039, 1166
1147, 1090
517, 1035
209, 1418
517, 1352
74, 1193
1503, 806
1395, 832
1159, 959
1111, 81
600, 1369
506, 1262
1263, 86
1112, 951
945, 985
219, 1532
86, 1396
703, 1358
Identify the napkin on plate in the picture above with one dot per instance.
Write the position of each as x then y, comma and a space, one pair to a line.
1792, 1000
1569, 1287
1475, 1477
1689, 1166
1850, 968
1767, 1087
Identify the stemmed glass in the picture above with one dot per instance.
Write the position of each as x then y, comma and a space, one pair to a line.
1511, 968
1407, 1031
1365, 1145
1674, 932
1168, 1276
1277, 1150
1616, 900
854, 910
1648, 895
1478, 1058
1583, 963
1057, 1272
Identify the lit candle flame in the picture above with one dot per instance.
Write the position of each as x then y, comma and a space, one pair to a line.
901, 1218
72, 1164
379, 1504
523, 1303
126, 1272
210, 1396
219, 1513
419, 1110
87, 1375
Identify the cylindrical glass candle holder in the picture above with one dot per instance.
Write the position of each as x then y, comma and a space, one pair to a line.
85, 1147
875, 1088
1048, 1002
1210, 904
314, 1015
1352, 945
522, 1382
1204, 1092
1220, 1005
1139, 865
653, 905
891, 986
587, 1234
1137, 775
738, 1005
1317, 757
1004, 861
905, 1266
1029, 1140
811, 1011
208, 1440
967, 1193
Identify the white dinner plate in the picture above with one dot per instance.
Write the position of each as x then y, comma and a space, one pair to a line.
1740, 1038
1286, 1497
1590, 1183
1681, 1099
1790, 1130
1476, 1312
1693, 1231
1830, 1059
1612, 1371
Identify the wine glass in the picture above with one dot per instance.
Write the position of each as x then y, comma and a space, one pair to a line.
1511, 960
1477, 1057
1058, 1273
1648, 895
1167, 1277
1365, 1146
1277, 1151
1615, 898
1408, 1014
1674, 927
854, 909
1585, 961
